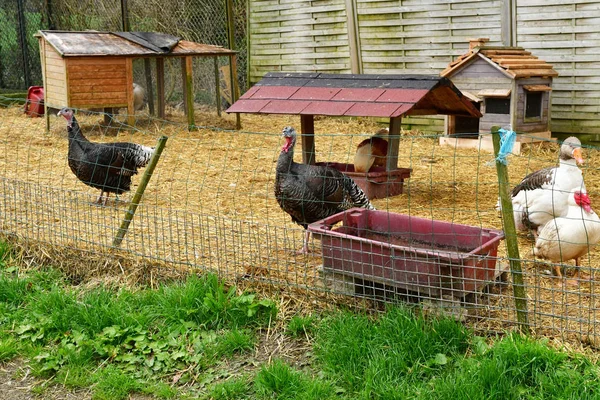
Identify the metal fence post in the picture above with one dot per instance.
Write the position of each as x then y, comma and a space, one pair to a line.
23, 42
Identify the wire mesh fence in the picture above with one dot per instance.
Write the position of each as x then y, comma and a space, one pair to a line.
199, 21
210, 206
19, 52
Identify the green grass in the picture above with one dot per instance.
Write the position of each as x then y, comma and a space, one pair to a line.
197, 339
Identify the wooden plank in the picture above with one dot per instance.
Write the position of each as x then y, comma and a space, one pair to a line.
54, 68
95, 68
56, 63
96, 61
85, 75
91, 83
108, 96
160, 86
520, 73
529, 66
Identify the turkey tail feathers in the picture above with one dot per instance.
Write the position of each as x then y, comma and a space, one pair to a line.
357, 196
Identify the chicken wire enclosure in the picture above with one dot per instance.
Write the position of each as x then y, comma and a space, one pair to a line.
210, 206
19, 52
199, 21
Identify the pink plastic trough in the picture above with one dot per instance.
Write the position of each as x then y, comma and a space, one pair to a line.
424, 256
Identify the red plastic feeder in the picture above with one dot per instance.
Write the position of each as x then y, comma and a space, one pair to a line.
377, 183
34, 105
428, 257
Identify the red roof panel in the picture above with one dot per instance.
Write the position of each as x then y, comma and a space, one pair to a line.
285, 107
248, 106
372, 109
250, 92
358, 94
274, 92
327, 107
402, 95
315, 93
401, 110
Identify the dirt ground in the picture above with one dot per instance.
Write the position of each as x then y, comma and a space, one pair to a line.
210, 206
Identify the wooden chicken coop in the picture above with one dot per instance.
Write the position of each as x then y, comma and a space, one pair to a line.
95, 69
509, 85
356, 95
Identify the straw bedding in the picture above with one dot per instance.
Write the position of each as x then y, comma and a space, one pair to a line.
210, 206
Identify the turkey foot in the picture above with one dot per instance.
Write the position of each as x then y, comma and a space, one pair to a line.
305, 249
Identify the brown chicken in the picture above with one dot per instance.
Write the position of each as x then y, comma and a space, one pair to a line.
371, 152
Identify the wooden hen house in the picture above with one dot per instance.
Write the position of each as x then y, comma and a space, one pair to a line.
509, 86
94, 69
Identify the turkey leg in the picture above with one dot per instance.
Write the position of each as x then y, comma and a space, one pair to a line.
304, 249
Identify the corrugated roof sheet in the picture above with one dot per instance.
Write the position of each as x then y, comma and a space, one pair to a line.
516, 62
353, 95
135, 44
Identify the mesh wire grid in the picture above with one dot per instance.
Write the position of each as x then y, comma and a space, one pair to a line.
199, 21
210, 206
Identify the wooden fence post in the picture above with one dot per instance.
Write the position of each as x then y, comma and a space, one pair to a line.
510, 235
137, 197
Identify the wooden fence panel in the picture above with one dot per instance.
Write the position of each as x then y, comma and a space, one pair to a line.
423, 36
298, 36
567, 35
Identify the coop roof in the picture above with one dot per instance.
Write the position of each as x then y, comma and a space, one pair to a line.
353, 95
515, 62
134, 44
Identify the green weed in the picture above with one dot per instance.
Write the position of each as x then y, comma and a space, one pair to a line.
9, 348
300, 326
383, 355
280, 381
235, 341
112, 384
234, 389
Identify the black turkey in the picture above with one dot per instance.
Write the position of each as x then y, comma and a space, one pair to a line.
309, 193
105, 166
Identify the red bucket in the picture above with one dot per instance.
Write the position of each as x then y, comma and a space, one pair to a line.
34, 105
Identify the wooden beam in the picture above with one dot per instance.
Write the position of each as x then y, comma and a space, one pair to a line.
160, 86
353, 37
185, 85
307, 133
129, 89
393, 144
217, 85
235, 87
189, 90
149, 88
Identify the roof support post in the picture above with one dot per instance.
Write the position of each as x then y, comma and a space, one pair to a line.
235, 87
307, 133
150, 90
160, 86
188, 90
393, 144
129, 77
217, 86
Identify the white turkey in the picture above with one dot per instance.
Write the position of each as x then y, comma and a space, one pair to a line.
543, 195
309, 193
139, 97
104, 166
572, 236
